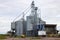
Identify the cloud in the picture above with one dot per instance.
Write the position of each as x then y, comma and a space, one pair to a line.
9, 9
5, 25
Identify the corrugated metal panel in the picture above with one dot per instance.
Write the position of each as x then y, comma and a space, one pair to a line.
13, 25
19, 28
29, 22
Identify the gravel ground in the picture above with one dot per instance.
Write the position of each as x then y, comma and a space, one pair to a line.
43, 38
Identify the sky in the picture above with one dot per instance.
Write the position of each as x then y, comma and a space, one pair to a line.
10, 9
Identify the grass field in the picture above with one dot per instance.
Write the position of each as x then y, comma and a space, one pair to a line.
6, 37
3, 36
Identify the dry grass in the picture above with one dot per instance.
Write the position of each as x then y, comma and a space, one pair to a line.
3, 36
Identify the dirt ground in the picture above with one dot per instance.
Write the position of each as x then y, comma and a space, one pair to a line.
43, 38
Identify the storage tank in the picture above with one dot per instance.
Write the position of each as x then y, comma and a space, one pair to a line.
19, 28
13, 25
30, 22
41, 33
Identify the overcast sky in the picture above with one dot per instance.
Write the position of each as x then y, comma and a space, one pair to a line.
9, 9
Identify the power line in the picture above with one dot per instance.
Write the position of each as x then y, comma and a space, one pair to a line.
26, 12
20, 14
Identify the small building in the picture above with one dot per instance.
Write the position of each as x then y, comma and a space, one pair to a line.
50, 29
